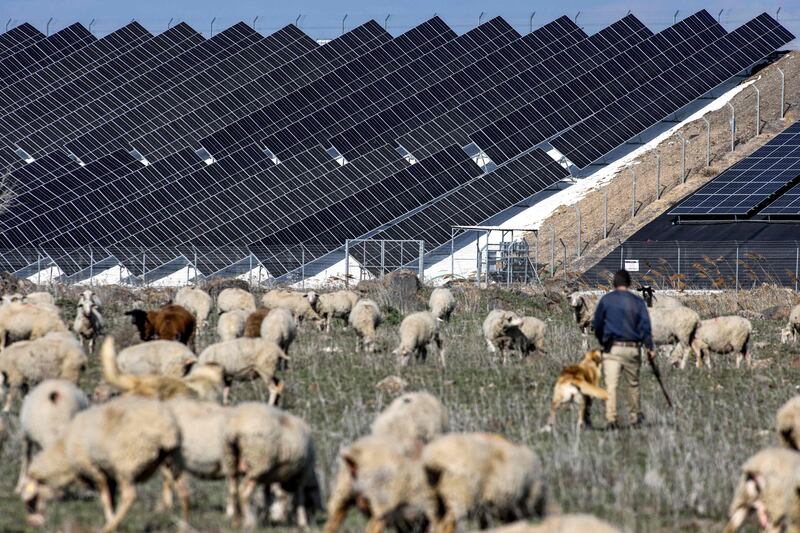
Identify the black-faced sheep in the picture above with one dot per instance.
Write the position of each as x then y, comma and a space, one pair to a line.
116, 444
88, 324
650, 298
441, 303
364, 319
169, 323
485, 476
417, 331
196, 301
530, 336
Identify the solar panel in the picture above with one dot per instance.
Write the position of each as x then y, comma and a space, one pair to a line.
18, 38
671, 87
751, 182
787, 203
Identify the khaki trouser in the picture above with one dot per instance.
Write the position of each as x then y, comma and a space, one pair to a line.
625, 360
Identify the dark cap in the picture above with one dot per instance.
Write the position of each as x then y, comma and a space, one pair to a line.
622, 278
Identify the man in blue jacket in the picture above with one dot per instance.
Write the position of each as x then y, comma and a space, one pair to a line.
622, 326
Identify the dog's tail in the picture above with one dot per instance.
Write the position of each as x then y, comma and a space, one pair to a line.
592, 390
111, 373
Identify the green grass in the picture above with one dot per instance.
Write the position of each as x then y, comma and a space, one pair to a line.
674, 474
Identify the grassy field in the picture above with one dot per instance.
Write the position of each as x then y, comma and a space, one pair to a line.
675, 473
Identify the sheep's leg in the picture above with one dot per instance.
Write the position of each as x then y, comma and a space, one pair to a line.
232, 510
438, 341
275, 388
127, 495
167, 484
27, 448
226, 393
183, 498
12, 391
492, 347
300, 506
447, 524
738, 359
581, 411
245, 494
736, 520
106, 498
375, 525
336, 515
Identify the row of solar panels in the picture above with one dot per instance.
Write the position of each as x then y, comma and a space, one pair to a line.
178, 143
767, 182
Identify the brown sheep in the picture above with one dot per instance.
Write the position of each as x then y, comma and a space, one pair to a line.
252, 326
171, 323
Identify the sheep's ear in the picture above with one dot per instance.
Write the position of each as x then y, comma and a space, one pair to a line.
352, 467
54, 396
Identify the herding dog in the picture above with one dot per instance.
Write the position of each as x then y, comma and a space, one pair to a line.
578, 383
203, 382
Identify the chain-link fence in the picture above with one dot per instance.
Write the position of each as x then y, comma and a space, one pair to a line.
176, 266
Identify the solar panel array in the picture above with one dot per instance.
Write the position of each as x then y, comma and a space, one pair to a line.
748, 186
246, 146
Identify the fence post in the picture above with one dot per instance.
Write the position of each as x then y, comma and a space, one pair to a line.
421, 269
605, 212
621, 255
347, 263
250, 270
737, 268
564, 245
536, 255
552, 250
38, 267
578, 212
633, 194
658, 175
783, 92
91, 266
479, 259
144, 268
796, 266
679, 259
683, 156
708, 141
733, 125
383, 257
303, 266
363, 262
195, 265
758, 110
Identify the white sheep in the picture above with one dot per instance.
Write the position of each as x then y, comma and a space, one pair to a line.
499, 329
364, 319
299, 304
583, 306
442, 303
417, 331
88, 324
675, 326
231, 324
485, 476
792, 327
336, 304
417, 415
244, 359
787, 423
21, 321
116, 444
12, 298
165, 358
45, 415
197, 301
280, 328
725, 334
530, 336
235, 299
28, 363
568, 523
37, 298
276, 450
770, 486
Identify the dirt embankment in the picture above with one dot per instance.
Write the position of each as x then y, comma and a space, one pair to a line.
621, 225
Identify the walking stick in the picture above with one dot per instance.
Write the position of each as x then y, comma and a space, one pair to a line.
657, 374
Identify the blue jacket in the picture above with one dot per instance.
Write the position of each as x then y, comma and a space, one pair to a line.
622, 316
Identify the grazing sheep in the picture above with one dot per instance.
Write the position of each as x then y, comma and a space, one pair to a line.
676, 326
278, 449
280, 328
485, 476
364, 319
792, 327
335, 305
499, 328
583, 306
12, 298
169, 323
28, 363
196, 301
788, 423
725, 334
235, 299
231, 324
384, 478
116, 444
245, 359
530, 336
252, 326
442, 303
299, 304
21, 321
37, 298
569, 523
648, 294
88, 324
769, 486
417, 415
163, 358
45, 415
417, 331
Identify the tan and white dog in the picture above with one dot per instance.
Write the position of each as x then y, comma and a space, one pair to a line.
578, 384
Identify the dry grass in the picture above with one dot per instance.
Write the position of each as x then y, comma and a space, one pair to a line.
676, 473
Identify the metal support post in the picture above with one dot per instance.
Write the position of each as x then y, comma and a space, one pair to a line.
733, 125
737, 267
91, 266
683, 156
605, 212
552, 250
578, 213
302, 265
758, 110
452, 252
250, 270
347, 263
796, 266
478, 255
658, 175
708, 142
783, 92
679, 259
421, 269
633, 193
144, 269
383, 257
564, 245
38, 267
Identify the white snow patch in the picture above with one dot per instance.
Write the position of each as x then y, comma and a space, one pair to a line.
464, 260
334, 276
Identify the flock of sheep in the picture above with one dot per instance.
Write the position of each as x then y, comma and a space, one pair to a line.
162, 408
